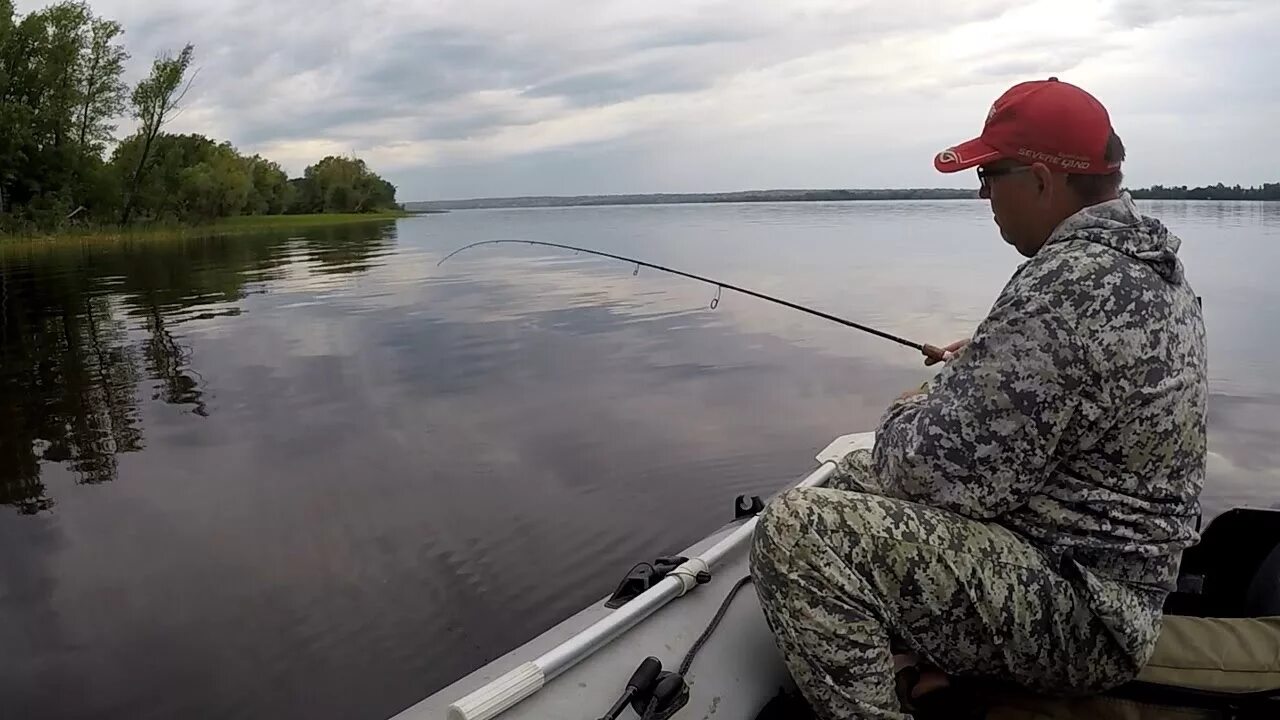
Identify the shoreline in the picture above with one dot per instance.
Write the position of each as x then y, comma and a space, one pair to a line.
227, 226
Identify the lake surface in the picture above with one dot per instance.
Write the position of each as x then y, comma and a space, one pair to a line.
319, 476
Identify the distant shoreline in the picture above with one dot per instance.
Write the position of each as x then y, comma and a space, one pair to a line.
815, 195
746, 196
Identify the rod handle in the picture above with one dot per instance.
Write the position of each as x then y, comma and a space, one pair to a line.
499, 695
933, 354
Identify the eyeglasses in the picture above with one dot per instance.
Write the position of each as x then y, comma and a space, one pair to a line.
985, 173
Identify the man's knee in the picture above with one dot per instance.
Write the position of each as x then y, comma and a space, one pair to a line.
790, 562
777, 530
784, 547
781, 526
785, 514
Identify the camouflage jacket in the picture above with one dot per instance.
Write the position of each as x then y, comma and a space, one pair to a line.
1076, 415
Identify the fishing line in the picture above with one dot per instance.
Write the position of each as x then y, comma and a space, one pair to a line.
929, 351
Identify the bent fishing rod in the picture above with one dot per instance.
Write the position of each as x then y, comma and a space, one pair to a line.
930, 351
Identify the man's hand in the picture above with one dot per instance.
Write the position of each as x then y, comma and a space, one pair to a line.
947, 351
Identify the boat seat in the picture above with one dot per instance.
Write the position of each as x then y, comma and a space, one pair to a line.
1217, 654
1202, 669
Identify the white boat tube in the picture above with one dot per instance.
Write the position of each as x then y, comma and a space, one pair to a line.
505, 692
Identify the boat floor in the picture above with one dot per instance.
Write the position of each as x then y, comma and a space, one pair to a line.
733, 675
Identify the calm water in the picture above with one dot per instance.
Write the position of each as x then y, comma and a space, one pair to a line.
287, 476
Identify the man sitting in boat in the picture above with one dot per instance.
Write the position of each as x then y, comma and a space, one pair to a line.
1023, 516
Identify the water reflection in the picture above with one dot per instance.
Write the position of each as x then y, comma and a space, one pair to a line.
86, 330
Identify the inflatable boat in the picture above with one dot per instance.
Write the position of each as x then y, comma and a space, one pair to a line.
684, 637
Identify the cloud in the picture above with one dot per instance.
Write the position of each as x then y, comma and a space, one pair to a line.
1142, 13
556, 96
604, 87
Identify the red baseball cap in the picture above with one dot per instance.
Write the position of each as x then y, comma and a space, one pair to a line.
1045, 121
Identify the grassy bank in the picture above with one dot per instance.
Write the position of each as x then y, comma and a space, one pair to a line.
226, 226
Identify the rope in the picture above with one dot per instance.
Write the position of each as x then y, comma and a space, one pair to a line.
706, 634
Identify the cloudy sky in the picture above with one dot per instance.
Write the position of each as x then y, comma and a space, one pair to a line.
462, 98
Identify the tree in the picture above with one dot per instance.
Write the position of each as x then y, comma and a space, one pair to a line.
342, 185
189, 178
155, 99
102, 91
215, 187
271, 192
39, 62
60, 43
59, 87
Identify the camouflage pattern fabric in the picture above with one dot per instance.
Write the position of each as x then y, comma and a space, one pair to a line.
1076, 416
1024, 516
843, 576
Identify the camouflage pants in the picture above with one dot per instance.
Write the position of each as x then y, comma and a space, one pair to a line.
843, 573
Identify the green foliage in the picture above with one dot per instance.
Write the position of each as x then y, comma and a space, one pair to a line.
46, 59
342, 185
154, 100
61, 90
192, 179
157, 96
216, 187
187, 178
102, 90
270, 192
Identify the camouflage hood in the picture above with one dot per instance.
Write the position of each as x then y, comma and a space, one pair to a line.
1117, 224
